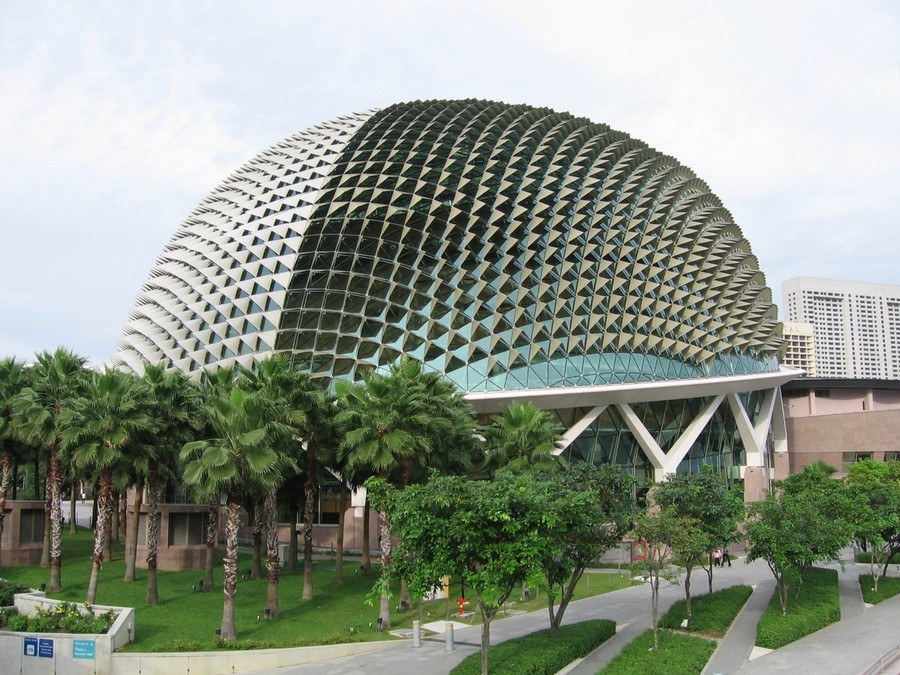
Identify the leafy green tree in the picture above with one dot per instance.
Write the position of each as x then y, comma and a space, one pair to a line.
802, 521
491, 533
13, 379
705, 498
875, 491
522, 437
662, 530
96, 426
240, 458
55, 378
592, 510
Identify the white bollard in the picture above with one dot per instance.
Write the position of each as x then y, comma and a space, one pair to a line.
448, 637
417, 633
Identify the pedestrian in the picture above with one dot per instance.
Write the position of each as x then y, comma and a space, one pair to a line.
717, 557
726, 557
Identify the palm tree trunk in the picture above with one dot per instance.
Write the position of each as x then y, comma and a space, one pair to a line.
55, 522
100, 534
366, 552
116, 517
258, 518
73, 525
15, 479
384, 531
339, 559
212, 522
131, 538
309, 497
152, 533
272, 567
4, 487
45, 551
292, 537
227, 630
113, 520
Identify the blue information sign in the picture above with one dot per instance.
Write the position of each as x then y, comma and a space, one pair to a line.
83, 649
30, 647
45, 648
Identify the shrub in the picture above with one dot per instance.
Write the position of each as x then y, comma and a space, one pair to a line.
243, 645
678, 654
180, 646
866, 557
540, 654
8, 589
887, 588
63, 618
713, 613
817, 605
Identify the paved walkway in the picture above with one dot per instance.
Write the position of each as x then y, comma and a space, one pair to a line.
847, 647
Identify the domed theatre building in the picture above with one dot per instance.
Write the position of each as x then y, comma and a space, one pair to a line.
524, 254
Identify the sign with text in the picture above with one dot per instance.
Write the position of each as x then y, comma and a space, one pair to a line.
82, 649
45, 648
30, 647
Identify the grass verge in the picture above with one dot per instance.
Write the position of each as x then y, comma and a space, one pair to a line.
540, 654
713, 613
678, 654
887, 588
816, 605
187, 621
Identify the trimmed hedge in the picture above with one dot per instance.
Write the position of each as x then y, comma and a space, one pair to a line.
887, 588
678, 654
713, 613
540, 654
818, 604
8, 589
866, 557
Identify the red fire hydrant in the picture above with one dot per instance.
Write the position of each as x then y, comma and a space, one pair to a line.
462, 603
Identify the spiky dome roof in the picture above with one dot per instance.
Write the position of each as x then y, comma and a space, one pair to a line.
502, 245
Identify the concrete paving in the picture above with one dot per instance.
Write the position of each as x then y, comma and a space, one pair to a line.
847, 647
735, 648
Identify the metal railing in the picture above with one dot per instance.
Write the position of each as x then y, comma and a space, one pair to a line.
883, 661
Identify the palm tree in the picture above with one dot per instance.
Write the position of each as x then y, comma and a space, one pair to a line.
390, 423
55, 378
297, 401
173, 405
522, 437
240, 457
96, 427
13, 378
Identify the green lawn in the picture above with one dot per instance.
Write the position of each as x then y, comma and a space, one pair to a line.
887, 588
713, 613
539, 653
185, 620
678, 654
816, 605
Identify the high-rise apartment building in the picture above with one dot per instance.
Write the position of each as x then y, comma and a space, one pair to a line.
800, 347
856, 325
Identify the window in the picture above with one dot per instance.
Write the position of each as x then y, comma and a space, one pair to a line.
186, 529
31, 529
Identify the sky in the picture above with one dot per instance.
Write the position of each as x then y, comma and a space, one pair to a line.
117, 119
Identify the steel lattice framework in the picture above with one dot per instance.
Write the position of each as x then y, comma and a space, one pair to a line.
507, 247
